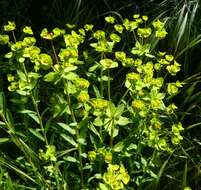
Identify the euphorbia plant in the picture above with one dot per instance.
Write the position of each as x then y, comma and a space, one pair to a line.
91, 136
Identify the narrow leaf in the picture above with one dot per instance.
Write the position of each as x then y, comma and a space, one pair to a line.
67, 128
31, 114
69, 139
37, 134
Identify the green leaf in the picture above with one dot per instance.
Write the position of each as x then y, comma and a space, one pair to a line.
95, 176
67, 128
123, 121
70, 159
93, 129
111, 110
70, 76
143, 161
21, 75
69, 139
2, 103
94, 67
111, 128
70, 68
132, 147
161, 172
119, 110
70, 88
17, 170
98, 122
33, 75
4, 140
105, 78
51, 76
82, 141
118, 147
36, 133
103, 186
22, 92
184, 180
84, 128
31, 114
96, 91
9, 117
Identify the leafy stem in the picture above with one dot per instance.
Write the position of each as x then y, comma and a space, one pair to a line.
77, 133
108, 85
35, 103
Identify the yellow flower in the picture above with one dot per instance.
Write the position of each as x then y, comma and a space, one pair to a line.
138, 104
99, 103
110, 19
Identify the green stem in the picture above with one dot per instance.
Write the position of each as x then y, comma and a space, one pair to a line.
123, 96
101, 83
77, 135
39, 118
135, 36
74, 120
101, 76
54, 51
111, 137
108, 85
36, 107
13, 34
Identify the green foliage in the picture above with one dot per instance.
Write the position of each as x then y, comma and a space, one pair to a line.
75, 130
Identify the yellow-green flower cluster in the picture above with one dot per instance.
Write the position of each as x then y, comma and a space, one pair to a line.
116, 177
4, 39
69, 55
154, 140
171, 108
102, 44
176, 136
168, 62
138, 104
83, 96
91, 156
32, 53
27, 30
22, 83
102, 153
115, 38
119, 28
73, 40
108, 63
160, 29
51, 35
174, 69
49, 155
88, 27
173, 87
9, 27
44, 61
99, 103
81, 83
144, 32
110, 19
127, 61
81, 86
20, 45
